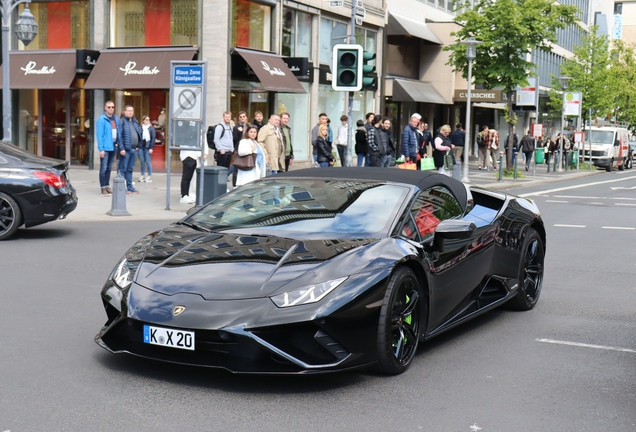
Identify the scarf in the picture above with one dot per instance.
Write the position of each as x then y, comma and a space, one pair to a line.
145, 133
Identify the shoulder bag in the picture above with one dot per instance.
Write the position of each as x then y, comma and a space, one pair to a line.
244, 163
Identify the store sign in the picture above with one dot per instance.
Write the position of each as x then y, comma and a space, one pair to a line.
299, 66
493, 96
86, 60
32, 68
325, 76
130, 69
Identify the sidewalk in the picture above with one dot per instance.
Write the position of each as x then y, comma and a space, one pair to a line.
150, 203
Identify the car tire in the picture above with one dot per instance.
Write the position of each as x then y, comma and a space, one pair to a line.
400, 324
10, 216
621, 167
608, 168
531, 269
629, 163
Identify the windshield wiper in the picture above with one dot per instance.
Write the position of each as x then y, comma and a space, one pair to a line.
194, 226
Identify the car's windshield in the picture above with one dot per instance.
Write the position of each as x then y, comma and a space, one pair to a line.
600, 137
306, 208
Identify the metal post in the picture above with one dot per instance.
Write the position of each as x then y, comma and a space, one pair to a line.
589, 139
514, 164
349, 153
465, 178
500, 166
560, 165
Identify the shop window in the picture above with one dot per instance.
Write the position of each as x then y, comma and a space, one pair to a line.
251, 25
296, 34
144, 22
61, 25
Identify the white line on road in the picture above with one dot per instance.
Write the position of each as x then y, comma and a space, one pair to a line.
577, 344
575, 187
625, 204
577, 197
569, 226
596, 203
557, 201
620, 228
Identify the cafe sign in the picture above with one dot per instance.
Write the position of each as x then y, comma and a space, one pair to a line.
493, 96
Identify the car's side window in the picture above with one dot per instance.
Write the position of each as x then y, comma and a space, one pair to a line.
432, 206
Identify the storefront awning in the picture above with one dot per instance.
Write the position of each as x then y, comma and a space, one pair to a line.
137, 68
402, 26
497, 106
42, 69
271, 71
416, 91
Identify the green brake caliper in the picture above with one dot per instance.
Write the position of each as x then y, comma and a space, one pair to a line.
408, 318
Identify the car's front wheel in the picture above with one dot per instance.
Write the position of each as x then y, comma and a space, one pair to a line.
530, 272
10, 216
401, 316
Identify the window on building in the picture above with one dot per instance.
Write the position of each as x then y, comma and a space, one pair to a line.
145, 22
61, 25
331, 33
296, 33
251, 25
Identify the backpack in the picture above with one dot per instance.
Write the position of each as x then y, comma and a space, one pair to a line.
209, 136
480, 140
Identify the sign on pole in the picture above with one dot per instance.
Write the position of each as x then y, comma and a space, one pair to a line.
572, 102
526, 95
537, 130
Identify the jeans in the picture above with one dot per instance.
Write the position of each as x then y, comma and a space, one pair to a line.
385, 162
105, 167
363, 158
528, 156
375, 160
145, 161
342, 152
325, 164
126, 166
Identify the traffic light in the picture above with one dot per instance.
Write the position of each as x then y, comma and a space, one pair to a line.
369, 75
347, 67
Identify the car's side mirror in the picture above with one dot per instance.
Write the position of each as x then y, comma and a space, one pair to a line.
452, 229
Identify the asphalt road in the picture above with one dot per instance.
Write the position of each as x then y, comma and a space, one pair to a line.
505, 371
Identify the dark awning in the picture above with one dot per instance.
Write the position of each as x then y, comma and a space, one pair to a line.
416, 91
271, 71
399, 25
42, 69
136, 68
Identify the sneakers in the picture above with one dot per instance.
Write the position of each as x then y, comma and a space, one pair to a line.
187, 200
132, 191
148, 179
106, 192
142, 179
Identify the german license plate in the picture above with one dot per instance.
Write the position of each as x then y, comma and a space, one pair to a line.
169, 338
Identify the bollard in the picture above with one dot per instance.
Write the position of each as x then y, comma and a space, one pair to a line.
118, 207
556, 161
500, 166
514, 164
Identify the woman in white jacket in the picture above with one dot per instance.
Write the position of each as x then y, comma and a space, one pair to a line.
249, 145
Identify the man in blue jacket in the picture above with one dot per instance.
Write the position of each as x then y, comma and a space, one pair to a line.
107, 135
129, 138
409, 139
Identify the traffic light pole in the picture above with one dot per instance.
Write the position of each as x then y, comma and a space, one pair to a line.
350, 123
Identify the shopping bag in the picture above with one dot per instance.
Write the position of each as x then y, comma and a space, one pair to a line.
407, 166
427, 163
449, 161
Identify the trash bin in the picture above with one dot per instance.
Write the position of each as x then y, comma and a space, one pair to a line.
539, 156
214, 182
572, 157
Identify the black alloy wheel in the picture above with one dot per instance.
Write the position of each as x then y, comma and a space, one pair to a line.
401, 316
530, 272
10, 216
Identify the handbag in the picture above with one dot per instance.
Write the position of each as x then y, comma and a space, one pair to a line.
427, 164
449, 161
407, 166
244, 163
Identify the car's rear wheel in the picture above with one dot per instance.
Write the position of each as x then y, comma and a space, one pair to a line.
10, 216
621, 167
530, 272
608, 168
630, 162
401, 316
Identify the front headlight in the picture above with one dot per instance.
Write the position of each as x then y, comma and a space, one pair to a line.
307, 294
123, 274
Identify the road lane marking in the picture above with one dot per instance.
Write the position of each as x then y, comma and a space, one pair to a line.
596, 203
575, 187
557, 201
569, 226
582, 345
623, 188
577, 197
620, 228
624, 204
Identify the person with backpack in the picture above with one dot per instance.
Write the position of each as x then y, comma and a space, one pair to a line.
223, 142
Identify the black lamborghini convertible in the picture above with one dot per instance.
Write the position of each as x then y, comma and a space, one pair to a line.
321, 270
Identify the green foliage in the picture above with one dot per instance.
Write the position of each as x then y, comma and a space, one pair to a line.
622, 80
509, 30
510, 173
589, 73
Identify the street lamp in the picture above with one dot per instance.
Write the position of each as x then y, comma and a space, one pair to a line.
26, 29
564, 85
471, 53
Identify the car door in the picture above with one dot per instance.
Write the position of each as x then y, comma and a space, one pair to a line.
454, 273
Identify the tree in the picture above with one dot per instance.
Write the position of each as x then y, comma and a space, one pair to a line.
622, 78
589, 74
509, 30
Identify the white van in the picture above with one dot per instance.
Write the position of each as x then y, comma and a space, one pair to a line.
610, 147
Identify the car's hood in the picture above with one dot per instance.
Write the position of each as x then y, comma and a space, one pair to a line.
230, 266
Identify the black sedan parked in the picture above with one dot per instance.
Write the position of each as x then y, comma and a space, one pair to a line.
321, 270
33, 190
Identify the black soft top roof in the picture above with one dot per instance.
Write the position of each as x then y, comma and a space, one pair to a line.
421, 179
